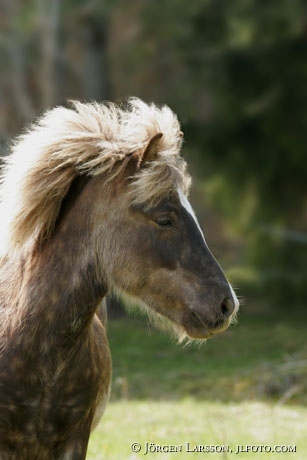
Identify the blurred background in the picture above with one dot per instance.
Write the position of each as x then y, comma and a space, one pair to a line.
235, 72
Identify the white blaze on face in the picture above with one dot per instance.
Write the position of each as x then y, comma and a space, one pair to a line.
235, 298
187, 205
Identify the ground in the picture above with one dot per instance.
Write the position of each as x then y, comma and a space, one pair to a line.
246, 387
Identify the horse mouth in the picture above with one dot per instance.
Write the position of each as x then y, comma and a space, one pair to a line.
196, 328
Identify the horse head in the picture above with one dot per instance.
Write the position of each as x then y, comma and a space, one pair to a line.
118, 177
154, 251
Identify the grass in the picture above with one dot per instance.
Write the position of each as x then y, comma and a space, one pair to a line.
247, 386
198, 423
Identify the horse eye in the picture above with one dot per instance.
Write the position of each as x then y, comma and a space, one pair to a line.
165, 221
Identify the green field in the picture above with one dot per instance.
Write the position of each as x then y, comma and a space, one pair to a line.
198, 423
245, 387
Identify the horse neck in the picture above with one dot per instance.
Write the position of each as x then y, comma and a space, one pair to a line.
62, 286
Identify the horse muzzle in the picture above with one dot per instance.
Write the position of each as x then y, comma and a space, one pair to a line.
199, 324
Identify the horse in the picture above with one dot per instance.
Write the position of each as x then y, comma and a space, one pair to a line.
94, 200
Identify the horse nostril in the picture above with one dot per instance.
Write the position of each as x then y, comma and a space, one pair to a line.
227, 307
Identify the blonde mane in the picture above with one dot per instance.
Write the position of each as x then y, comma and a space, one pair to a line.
88, 139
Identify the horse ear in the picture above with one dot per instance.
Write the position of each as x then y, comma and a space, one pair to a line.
136, 160
150, 151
